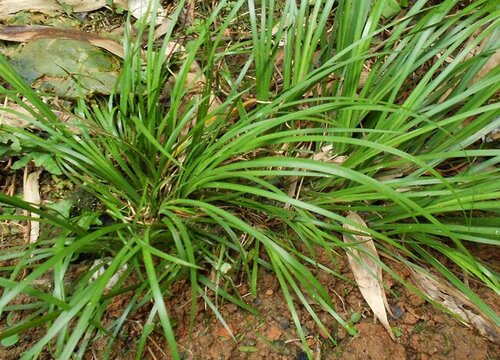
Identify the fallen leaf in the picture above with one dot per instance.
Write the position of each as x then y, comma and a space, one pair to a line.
326, 155
455, 301
194, 85
224, 332
162, 28
102, 265
8, 7
141, 8
14, 115
31, 194
363, 260
31, 33
67, 68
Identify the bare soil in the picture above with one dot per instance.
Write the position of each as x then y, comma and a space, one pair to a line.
423, 331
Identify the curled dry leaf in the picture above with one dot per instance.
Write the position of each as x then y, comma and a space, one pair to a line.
195, 80
16, 116
326, 155
456, 302
31, 33
31, 194
364, 262
8, 7
194, 84
141, 8
102, 266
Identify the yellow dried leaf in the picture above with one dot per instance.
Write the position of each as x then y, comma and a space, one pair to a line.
364, 262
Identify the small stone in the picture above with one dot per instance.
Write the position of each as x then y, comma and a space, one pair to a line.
269, 292
397, 312
284, 323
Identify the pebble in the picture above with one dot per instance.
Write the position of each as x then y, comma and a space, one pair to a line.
269, 292
284, 323
397, 312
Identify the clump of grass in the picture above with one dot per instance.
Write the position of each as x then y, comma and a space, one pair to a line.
192, 187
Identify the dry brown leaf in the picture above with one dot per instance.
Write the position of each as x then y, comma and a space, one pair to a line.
363, 260
162, 28
14, 115
492, 63
30, 33
454, 301
8, 7
31, 194
326, 155
195, 79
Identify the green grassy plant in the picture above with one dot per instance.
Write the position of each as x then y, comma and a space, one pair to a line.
192, 188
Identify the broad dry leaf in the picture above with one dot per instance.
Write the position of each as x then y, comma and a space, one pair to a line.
30, 33
8, 7
454, 301
363, 260
162, 28
141, 8
14, 115
31, 194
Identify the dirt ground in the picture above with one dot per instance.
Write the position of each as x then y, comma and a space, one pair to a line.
423, 332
